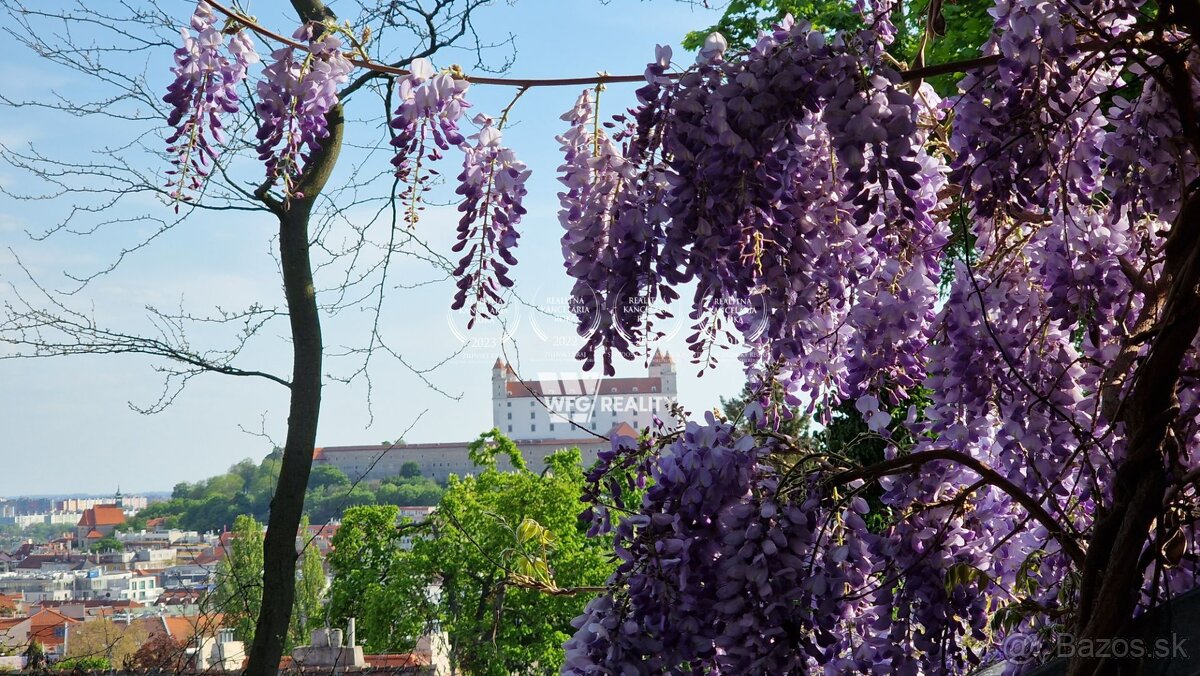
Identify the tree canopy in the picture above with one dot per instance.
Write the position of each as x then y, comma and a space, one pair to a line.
238, 594
102, 638
500, 567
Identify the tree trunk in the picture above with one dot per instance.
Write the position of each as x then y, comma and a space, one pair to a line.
287, 505
1112, 576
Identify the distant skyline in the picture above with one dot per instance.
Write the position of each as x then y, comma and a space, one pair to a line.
93, 495
68, 427
51, 496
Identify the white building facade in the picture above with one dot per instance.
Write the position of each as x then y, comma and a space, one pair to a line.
553, 412
99, 584
567, 405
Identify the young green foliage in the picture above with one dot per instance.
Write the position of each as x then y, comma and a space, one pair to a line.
498, 567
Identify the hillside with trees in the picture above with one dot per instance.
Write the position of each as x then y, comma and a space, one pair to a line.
216, 502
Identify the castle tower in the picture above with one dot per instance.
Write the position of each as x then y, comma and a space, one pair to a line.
662, 365
500, 371
499, 378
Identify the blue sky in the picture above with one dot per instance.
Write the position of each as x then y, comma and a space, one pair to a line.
67, 423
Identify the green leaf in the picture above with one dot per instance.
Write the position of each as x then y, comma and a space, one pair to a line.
963, 574
528, 531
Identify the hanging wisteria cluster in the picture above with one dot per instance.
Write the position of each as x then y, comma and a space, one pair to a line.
719, 571
426, 124
735, 178
492, 185
982, 278
296, 93
207, 74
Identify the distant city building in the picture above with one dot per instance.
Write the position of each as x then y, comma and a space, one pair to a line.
25, 505
130, 504
48, 590
50, 629
68, 511
119, 585
158, 538
98, 522
26, 520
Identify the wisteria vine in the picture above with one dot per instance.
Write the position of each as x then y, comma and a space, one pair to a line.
805, 186
296, 92
204, 91
492, 184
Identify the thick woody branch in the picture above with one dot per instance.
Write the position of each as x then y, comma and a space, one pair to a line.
907, 462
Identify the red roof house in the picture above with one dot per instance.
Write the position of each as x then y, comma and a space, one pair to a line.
12, 605
98, 522
49, 628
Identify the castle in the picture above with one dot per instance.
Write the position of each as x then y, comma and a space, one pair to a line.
565, 405
544, 415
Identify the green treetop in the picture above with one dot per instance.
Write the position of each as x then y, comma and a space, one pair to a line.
913, 46
239, 589
502, 566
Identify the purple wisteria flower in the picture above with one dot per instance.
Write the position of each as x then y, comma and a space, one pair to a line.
743, 175
801, 184
426, 125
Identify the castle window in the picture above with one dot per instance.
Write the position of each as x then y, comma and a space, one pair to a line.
510, 428
509, 404
635, 389
533, 428
551, 427
653, 389
532, 415
510, 415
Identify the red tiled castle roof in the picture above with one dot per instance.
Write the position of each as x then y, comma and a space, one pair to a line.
557, 388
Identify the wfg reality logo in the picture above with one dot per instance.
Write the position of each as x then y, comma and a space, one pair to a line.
569, 396
578, 399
